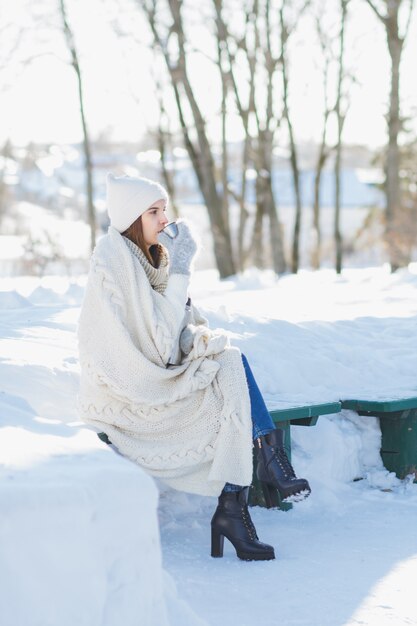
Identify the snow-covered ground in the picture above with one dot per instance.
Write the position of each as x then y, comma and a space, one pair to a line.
79, 539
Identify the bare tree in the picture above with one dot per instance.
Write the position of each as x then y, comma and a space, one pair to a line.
262, 144
407, 226
173, 47
70, 41
15, 56
266, 134
340, 120
388, 12
324, 149
164, 138
226, 65
287, 28
259, 121
222, 62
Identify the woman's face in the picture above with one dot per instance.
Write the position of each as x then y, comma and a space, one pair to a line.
153, 221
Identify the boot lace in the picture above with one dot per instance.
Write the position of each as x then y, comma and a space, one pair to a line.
284, 462
248, 523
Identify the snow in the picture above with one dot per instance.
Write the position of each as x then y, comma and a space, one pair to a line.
70, 535
83, 539
11, 247
319, 338
12, 300
79, 536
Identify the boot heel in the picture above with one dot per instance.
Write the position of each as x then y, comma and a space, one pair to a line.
270, 495
217, 543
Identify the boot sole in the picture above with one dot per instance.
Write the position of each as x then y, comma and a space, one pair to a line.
217, 545
255, 557
272, 500
297, 497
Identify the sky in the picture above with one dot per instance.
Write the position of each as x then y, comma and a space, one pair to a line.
40, 103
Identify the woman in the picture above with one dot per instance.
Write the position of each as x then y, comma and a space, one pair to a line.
171, 394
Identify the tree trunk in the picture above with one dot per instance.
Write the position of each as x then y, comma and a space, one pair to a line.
167, 174
260, 145
225, 161
164, 144
393, 209
276, 236
322, 158
295, 255
295, 258
227, 76
323, 154
258, 230
266, 202
316, 252
266, 140
337, 232
201, 159
338, 159
69, 37
243, 212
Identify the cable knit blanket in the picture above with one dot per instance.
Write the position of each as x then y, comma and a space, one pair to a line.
188, 425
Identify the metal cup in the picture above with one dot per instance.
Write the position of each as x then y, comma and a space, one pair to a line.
171, 230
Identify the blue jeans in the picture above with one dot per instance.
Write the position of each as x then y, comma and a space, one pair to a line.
262, 423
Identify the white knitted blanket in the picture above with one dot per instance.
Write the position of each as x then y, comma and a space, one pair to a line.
190, 424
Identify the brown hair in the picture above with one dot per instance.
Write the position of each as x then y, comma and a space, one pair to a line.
135, 234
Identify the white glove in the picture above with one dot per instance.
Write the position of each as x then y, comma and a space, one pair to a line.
182, 249
187, 338
198, 341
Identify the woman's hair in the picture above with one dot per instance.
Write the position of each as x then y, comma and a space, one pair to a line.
135, 234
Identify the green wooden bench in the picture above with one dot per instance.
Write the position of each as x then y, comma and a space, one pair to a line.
104, 438
283, 418
398, 420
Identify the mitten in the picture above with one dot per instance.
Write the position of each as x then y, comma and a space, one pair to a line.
202, 342
187, 338
181, 250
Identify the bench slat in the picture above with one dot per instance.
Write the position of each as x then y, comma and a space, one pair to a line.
303, 412
382, 406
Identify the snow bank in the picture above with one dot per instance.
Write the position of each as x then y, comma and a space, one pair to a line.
79, 538
42, 295
74, 294
317, 337
340, 449
79, 533
12, 300
80, 541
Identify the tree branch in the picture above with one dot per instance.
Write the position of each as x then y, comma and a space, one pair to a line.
410, 14
375, 10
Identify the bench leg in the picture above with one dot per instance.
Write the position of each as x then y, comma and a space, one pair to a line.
399, 442
256, 496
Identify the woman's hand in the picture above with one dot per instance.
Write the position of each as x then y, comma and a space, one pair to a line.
187, 337
182, 249
199, 341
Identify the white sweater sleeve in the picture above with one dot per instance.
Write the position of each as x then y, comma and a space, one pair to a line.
176, 293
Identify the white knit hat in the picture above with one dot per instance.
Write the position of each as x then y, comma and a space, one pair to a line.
128, 197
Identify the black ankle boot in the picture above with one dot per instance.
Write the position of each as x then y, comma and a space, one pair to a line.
232, 520
275, 471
